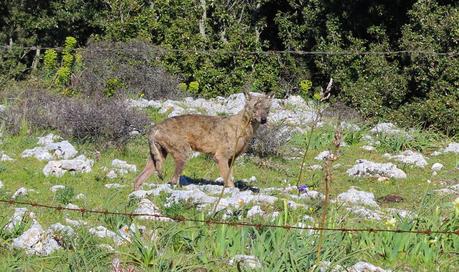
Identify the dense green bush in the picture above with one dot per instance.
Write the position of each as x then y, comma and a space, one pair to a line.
217, 47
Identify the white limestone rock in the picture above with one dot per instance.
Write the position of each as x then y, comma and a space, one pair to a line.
323, 155
246, 261
114, 186
16, 219
122, 167
78, 165
35, 241
148, 207
364, 168
103, 232
356, 197
21, 192
255, 211
365, 267
409, 157
56, 188
437, 166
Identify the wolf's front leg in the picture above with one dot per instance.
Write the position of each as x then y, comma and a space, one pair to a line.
225, 172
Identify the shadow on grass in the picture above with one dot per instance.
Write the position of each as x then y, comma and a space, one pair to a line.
240, 184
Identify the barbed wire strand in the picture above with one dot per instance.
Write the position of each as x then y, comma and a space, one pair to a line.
181, 219
259, 52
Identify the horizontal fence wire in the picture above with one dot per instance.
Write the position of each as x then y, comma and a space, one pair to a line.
181, 219
248, 52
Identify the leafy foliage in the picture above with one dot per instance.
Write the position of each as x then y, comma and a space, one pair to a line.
217, 47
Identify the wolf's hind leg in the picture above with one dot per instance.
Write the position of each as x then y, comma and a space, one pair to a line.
159, 159
180, 155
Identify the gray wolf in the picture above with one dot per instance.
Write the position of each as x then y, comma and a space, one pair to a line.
224, 138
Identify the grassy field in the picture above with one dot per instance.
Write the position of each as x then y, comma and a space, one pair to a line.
167, 246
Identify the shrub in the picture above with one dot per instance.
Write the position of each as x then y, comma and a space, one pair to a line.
71, 64
126, 68
268, 140
96, 119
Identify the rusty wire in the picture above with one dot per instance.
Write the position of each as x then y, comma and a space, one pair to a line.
249, 52
181, 219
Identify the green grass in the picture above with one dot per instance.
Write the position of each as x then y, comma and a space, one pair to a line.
188, 246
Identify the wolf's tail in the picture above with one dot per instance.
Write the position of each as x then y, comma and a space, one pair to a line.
155, 154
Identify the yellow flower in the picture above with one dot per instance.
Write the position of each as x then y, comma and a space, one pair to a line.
391, 222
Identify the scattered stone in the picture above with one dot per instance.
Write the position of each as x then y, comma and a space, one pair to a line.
114, 186
112, 174
35, 241
62, 229
400, 213
437, 166
409, 157
246, 261
140, 194
372, 169
235, 199
20, 192
103, 232
4, 157
75, 223
452, 147
16, 219
308, 195
385, 128
368, 148
62, 150
365, 267
55, 188
308, 218
39, 153
254, 211
350, 126
148, 207
78, 165
143, 103
315, 167
381, 179
48, 139
450, 190
123, 167
80, 196
48, 149
106, 247
72, 206
323, 155
366, 213
356, 197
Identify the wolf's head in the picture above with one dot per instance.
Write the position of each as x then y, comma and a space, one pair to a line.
257, 107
